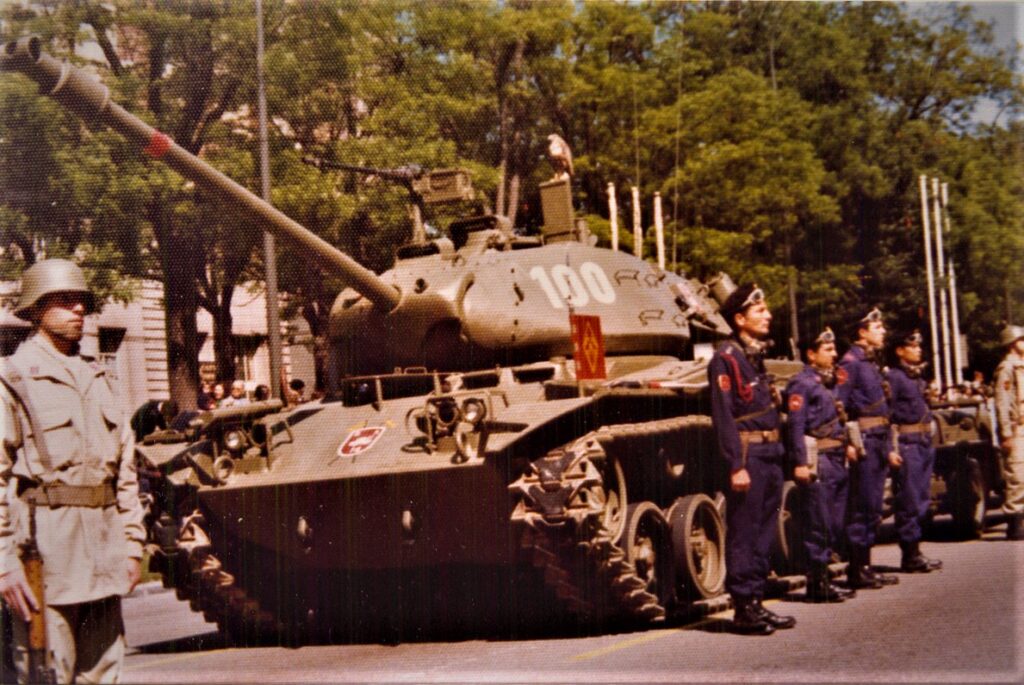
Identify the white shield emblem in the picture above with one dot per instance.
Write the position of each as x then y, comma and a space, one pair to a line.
360, 440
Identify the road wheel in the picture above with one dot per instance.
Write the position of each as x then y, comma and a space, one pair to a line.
647, 542
788, 554
615, 499
698, 544
967, 498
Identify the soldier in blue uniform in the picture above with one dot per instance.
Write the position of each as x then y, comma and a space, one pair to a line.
819, 447
747, 425
861, 387
912, 431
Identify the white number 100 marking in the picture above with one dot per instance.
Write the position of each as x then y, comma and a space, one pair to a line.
565, 284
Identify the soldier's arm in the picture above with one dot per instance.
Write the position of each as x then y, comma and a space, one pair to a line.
796, 403
14, 587
1004, 398
128, 503
722, 394
847, 376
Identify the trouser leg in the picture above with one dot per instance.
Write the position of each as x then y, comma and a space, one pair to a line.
913, 492
1013, 474
60, 638
101, 643
767, 521
815, 524
835, 487
86, 642
867, 487
746, 565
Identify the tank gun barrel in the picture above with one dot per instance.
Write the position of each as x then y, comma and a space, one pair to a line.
76, 90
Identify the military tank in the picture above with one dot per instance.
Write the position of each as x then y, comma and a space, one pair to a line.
459, 472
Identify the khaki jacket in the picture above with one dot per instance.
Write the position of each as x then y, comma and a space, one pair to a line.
1009, 382
89, 441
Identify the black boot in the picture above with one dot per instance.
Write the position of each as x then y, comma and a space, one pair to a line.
770, 617
1015, 527
747, 620
884, 579
858, 573
819, 589
915, 562
845, 593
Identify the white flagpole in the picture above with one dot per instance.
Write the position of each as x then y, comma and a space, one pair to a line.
659, 231
954, 304
940, 260
638, 232
613, 216
931, 279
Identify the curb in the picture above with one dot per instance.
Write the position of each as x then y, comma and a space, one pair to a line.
153, 587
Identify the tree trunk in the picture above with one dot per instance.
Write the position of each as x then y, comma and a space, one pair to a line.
513, 198
224, 348
181, 304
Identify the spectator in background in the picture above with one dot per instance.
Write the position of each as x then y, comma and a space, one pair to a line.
261, 394
237, 397
298, 391
204, 400
218, 395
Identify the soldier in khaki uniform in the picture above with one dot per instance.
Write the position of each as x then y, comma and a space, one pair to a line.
67, 443
1009, 384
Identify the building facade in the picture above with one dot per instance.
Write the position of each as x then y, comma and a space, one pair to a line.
130, 340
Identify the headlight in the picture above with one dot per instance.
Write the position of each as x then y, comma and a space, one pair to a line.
234, 441
474, 411
447, 412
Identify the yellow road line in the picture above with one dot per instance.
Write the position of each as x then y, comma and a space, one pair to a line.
648, 637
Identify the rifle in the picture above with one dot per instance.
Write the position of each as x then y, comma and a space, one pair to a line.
38, 649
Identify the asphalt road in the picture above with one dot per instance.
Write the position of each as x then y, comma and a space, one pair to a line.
962, 624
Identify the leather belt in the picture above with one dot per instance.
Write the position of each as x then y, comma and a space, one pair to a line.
829, 444
750, 437
915, 428
57, 495
869, 422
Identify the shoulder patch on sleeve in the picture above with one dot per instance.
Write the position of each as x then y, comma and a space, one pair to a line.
841, 376
724, 382
795, 402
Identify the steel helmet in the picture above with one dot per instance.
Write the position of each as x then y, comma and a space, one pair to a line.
51, 276
1010, 334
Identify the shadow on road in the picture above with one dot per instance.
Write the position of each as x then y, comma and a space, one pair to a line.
193, 643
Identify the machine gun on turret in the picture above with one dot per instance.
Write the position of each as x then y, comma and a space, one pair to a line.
438, 186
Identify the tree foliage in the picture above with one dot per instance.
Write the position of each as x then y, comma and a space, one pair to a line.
785, 138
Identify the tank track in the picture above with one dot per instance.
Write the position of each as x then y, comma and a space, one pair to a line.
198, 576
561, 520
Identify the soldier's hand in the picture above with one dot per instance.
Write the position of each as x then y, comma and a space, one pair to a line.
895, 460
16, 592
802, 474
740, 481
134, 570
851, 454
